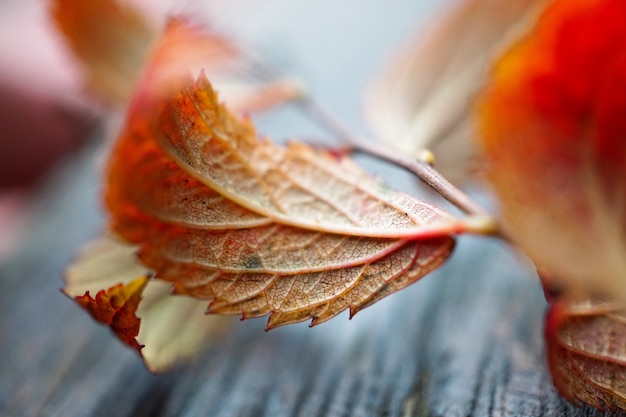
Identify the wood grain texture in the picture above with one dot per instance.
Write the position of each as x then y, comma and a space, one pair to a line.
464, 341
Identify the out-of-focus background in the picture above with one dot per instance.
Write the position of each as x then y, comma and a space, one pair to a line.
464, 341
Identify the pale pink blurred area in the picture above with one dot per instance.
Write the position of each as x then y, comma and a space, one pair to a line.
14, 216
45, 109
44, 114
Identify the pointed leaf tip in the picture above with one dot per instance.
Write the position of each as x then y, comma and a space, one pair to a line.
116, 307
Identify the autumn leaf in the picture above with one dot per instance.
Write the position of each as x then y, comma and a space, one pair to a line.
552, 135
140, 311
423, 97
585, 340
260, 229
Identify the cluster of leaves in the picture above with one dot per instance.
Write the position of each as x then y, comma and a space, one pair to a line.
200, 204
199, 200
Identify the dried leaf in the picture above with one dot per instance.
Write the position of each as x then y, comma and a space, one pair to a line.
422, 99
140, 311
260, 229
586, 339
552, 134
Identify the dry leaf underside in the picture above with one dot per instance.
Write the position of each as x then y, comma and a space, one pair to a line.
586, 354
258, 229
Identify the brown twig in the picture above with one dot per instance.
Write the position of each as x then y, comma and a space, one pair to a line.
421, 168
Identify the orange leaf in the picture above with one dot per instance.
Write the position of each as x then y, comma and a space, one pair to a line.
586, 339
553, 127
260, 229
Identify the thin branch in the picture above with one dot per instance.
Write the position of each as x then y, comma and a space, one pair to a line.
421, 168
480, 220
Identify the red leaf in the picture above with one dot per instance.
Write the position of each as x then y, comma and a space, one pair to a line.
553, 128
116, 307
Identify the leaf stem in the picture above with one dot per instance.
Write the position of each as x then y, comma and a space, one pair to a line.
420, 167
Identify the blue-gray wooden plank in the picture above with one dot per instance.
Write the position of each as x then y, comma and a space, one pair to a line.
464, 341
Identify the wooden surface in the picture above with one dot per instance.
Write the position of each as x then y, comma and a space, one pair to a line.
464, 341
